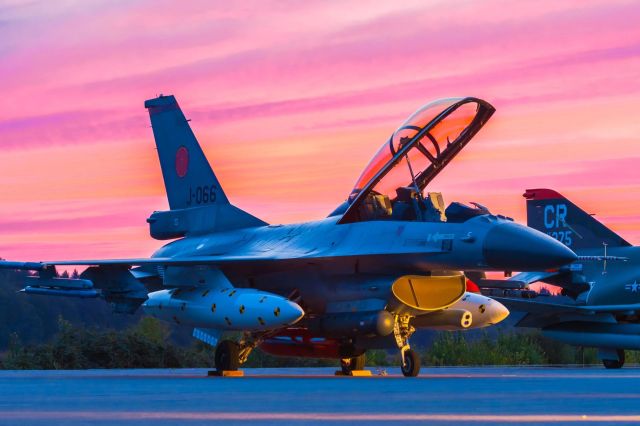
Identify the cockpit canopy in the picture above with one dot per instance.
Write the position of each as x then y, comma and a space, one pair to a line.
414, 154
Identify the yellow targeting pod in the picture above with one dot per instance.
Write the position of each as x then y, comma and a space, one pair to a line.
418, 294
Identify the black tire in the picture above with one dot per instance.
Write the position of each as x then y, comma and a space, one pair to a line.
227, 356
411, 366
614, 363
355, 363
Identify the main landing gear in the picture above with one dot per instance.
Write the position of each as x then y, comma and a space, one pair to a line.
227, 356
402, 330
230, 355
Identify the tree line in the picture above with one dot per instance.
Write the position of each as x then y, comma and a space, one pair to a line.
60, 333
147, 344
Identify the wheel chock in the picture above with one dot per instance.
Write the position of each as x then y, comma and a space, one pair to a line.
354, 373
225, 373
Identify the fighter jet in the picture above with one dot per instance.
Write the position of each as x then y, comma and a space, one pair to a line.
604, 281
382, 264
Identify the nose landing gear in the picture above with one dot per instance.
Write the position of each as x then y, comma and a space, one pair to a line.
402, 330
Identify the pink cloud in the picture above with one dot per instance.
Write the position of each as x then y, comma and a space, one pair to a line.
324, 94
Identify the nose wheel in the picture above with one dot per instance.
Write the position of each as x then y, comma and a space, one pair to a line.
411, 363
402, 330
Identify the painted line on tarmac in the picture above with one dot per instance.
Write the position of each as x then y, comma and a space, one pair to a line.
358, 417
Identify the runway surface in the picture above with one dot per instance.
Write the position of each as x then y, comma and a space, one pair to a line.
303, 396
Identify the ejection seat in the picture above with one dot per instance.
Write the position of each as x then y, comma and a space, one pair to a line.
410, 206
406, 206
376, 207
435, 208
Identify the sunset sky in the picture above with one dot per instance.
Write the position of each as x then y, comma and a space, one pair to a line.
290, 99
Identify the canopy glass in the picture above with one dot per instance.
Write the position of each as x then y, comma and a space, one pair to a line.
414, 154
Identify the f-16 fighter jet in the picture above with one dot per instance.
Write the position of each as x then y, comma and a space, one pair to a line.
365, 277
604, 281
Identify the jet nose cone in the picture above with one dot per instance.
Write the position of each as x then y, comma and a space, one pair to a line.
513, 247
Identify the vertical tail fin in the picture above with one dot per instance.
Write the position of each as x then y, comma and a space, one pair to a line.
188, 177
197, 202
553, 214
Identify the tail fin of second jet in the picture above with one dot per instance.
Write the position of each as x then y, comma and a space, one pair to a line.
553, 214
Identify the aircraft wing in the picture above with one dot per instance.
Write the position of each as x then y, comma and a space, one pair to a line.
290, 256
125, 282
535, 307
151, 261
112, 279
518, 281
532, 277
571, 280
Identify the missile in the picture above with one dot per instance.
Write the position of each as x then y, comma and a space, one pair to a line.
62, 283
44, 291
69, 287
224, 309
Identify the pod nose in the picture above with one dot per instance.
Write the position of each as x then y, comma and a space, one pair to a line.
291, 312
496, 312
513, 247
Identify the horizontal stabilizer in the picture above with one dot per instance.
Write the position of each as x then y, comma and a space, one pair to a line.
165, 225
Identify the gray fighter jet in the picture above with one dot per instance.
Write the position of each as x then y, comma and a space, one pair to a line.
364, 277
604, 281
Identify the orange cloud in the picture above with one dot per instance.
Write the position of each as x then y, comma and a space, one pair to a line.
290, 109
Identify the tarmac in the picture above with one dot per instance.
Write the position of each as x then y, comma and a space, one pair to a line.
486, 395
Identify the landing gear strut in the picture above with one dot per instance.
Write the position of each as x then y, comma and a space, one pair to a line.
402, 330
350, 364
615, 363
231, 355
